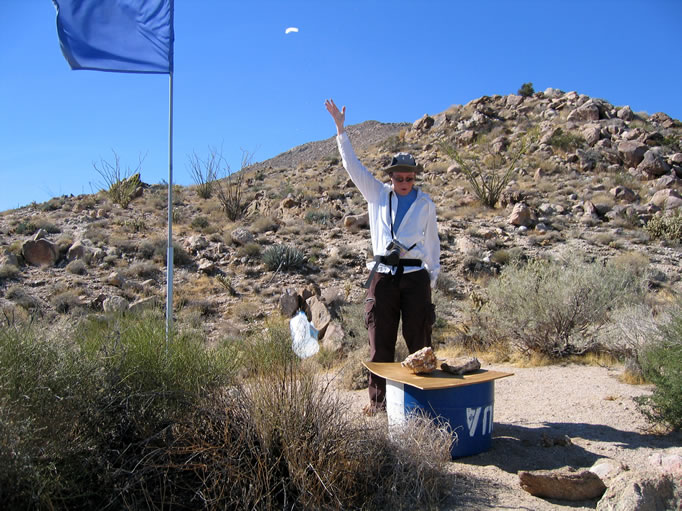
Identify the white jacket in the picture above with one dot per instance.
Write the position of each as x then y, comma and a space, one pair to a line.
419, 226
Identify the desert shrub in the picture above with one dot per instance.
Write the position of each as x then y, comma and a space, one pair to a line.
489, 175
122, 186
79, 412
8, 271
526, 90
555, 309
66, 301
283, 257
661, 363
20, 297
199, 223
666, 226
25, 227
77, 267
319, 216
205, 172
143, 270
156, 249
566, 141
627, 334
249, 250
262, 224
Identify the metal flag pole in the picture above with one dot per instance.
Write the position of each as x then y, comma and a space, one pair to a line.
169, 255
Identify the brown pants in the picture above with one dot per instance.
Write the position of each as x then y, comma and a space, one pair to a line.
389, 297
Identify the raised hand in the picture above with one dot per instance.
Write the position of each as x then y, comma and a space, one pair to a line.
339, 116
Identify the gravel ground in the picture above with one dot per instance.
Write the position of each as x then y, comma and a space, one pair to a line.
587, 404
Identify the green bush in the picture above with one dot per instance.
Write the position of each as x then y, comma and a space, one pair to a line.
662, 365
283, 257
200, 222
319, 216
526, 90
555, 309
80, 410
156, 249
566, 141
666, 226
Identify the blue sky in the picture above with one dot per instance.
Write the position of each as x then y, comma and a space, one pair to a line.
241, 82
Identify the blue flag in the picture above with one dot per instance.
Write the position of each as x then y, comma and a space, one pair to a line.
126, 36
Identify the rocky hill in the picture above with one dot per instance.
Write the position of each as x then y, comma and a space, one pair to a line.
593, 176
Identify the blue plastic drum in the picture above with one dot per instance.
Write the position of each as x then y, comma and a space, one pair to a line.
468, 409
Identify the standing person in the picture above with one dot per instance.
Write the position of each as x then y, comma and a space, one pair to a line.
404, 231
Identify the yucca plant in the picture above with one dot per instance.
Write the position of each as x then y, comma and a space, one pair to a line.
283, 257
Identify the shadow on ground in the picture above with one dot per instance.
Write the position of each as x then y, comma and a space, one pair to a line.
516, 447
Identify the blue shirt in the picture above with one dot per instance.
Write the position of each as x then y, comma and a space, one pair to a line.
404, 203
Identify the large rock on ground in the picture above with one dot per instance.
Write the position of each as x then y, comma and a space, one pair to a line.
666, 199
521, 215
319, 315
653, 164
333, 338
79, 251
115, 304
40, 252
564, 483
632, 152
642, 491
289, 303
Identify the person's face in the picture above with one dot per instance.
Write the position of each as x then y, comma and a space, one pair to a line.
402, 182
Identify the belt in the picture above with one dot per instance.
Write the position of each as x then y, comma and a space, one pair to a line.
382, 260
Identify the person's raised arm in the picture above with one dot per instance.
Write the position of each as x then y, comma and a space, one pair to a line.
339, 116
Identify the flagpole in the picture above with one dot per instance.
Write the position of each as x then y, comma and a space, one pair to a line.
169, 256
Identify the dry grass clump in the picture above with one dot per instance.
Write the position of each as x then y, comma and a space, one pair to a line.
284, 441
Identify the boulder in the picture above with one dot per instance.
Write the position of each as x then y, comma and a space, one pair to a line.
653, 164
632, 152
422, 361
666, 199
319, 315
424, 123
521, 215
115, 304
626, 113
241, 236
587, 112
565, 483
196, 242
289, 303
608, 469
206, 266
79, 251
40, 252
663, 119
623, 193
591, 134
356, 221
115, 279
642, 490
333, 338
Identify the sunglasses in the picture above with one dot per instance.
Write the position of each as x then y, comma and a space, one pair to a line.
405, 179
